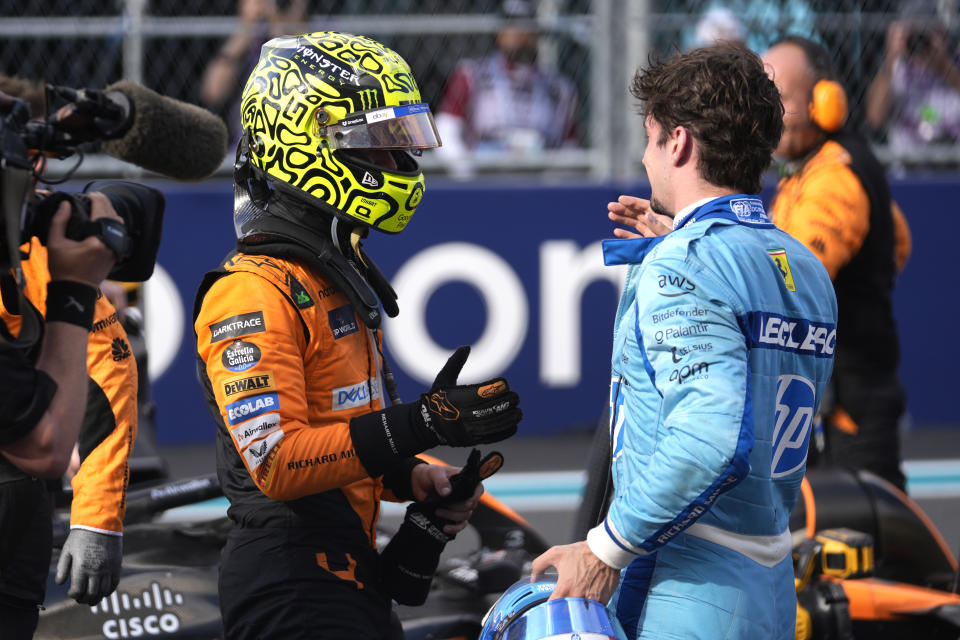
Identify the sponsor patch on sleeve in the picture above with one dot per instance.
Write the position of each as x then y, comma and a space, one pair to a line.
765, 330
240, 386
251, 407
236, 326
257, 452
240, 356
246, 432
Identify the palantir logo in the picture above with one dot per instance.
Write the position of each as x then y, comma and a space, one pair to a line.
795, 401
141, 615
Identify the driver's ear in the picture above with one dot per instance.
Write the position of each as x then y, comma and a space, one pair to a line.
681, 145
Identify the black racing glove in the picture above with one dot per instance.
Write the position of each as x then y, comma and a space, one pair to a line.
411, 557
451, 414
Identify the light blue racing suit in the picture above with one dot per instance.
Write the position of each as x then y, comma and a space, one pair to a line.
723, 346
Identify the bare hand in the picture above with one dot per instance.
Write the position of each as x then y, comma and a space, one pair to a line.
580, 574
87, 261
427, 478
636, 212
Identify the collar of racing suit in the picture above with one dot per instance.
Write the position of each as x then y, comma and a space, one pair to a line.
738, 208
357, 276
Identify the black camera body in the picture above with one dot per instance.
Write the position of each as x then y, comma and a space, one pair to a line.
26, 214
135, 242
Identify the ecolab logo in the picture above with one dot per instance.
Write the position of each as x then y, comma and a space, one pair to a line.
148, 616
251, 407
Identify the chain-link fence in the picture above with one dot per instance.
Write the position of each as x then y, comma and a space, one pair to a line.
909, 104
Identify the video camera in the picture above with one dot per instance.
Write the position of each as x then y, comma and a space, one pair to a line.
88, 116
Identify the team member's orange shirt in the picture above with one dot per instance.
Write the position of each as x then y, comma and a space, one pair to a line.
110, 422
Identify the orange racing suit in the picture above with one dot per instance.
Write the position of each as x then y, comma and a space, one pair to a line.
838, 204
110, 422
285, 363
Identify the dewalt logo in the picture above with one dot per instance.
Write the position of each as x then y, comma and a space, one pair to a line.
240, 386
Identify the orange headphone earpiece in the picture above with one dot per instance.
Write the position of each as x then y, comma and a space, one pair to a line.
828, 106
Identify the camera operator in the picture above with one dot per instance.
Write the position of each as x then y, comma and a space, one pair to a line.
55, 249
915, 95
43, 406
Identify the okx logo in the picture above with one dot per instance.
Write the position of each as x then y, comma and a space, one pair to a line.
136, 615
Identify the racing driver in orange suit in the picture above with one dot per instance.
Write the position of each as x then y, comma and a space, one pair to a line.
835, 199
289, 346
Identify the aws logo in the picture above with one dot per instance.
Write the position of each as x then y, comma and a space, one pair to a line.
135, 616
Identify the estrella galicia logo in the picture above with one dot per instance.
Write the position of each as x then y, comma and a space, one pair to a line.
240, 356
236, 326
119, 349
795, 401
251, 407
343, 322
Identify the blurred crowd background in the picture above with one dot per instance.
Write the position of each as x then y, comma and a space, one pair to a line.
898, 61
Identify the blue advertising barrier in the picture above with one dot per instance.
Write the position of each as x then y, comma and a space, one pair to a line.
515, 271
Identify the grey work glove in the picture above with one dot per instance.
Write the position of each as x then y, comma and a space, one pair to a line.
92, 560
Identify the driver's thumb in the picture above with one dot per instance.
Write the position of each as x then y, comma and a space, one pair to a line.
63, 566
448, 375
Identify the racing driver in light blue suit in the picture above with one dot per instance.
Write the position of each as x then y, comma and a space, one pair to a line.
723, 345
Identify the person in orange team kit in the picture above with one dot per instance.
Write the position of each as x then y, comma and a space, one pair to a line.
290, 354
834, 198
91, 555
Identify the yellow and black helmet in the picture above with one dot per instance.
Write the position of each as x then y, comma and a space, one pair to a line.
335, 116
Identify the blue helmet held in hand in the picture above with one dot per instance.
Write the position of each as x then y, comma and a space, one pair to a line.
524, 612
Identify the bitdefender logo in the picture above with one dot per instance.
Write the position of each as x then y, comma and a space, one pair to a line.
134, 616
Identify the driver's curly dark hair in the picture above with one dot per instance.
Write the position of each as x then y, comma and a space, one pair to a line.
723, 96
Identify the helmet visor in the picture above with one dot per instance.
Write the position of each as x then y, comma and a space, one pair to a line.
406, 127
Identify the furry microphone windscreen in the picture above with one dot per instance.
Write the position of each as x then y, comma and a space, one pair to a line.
169, 137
